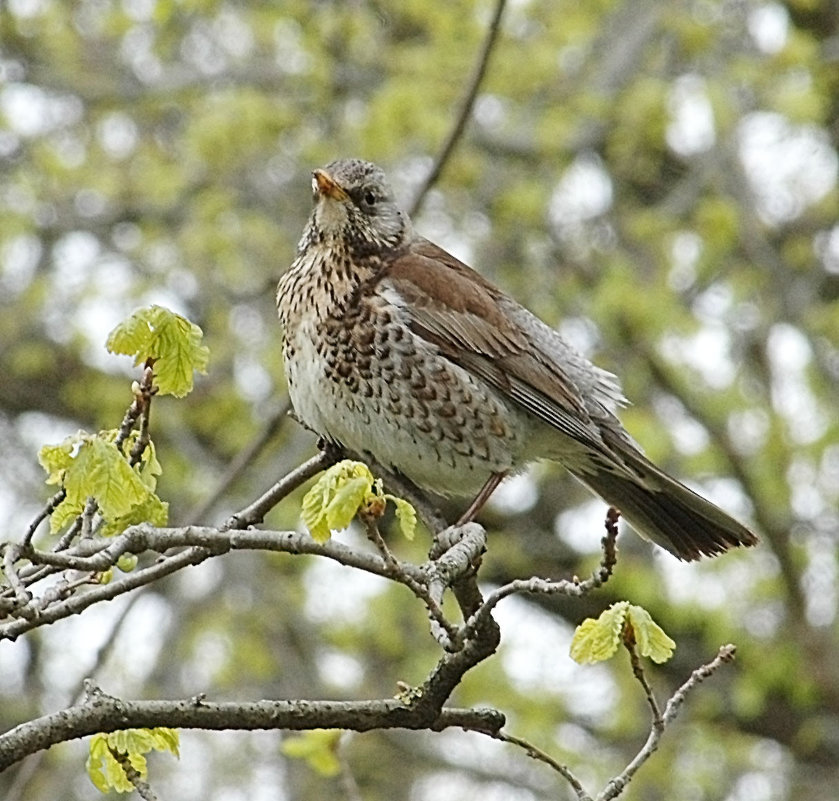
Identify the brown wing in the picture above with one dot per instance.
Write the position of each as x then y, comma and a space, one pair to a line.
468, 319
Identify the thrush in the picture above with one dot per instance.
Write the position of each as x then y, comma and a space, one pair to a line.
395, 348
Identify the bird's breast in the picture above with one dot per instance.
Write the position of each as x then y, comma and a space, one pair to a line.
362, 378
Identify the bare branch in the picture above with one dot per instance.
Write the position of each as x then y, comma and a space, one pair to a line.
98, 555
51, 506
142, 787
616, 786
538, 754
103, 713
465, 110
641, 676
570, 587
724, 655
255, 513
139, 409
443, 631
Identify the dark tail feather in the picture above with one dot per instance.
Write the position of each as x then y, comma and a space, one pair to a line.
666, 511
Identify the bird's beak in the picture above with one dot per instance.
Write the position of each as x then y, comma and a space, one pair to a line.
324, 185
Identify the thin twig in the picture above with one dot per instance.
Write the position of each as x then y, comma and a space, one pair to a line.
239, 464
142, 787
255, 512
725, 654
142, 403
616, 786
11, 553
573, 588
465, 109
538, 754
641, 676
132, 413
444, 632
51, 506
199, 544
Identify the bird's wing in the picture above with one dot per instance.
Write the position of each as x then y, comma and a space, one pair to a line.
468, 319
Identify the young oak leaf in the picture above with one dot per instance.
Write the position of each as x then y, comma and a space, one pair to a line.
151, 510
170, 340
91, 466
181, 354
406, 515
55, 459
344, 490
650, 637
597, 640
335, 498
350, 495
107, 773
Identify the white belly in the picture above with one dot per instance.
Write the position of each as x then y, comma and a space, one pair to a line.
452, 455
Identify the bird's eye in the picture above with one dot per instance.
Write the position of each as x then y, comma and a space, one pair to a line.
370, 199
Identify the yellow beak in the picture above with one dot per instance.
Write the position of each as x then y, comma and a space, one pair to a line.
324, 185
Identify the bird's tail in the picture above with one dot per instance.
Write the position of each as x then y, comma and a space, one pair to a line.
664, 510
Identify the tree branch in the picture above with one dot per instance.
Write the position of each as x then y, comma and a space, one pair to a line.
616, 786
200, 543
465, 109
255, 513
570, 587
539, 755
103, 713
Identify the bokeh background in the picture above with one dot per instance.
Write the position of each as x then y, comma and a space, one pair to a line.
657, 179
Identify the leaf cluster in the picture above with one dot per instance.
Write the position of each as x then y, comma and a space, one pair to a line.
623, 622
172, 343
348, 489
108, 752
93, 466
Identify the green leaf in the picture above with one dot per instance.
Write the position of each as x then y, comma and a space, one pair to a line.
170, 340
107, 773
335, 498
55, 459
91, 466
318, 747
349, 496
133, 337
341, 492
406, 515
101, 471
64, 513
314, 517
127, 562
150, 510
597, 640
166, 739
650, 637
180, 353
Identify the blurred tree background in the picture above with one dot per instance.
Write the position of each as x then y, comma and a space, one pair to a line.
657, 179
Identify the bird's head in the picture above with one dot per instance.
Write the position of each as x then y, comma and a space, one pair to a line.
354, 203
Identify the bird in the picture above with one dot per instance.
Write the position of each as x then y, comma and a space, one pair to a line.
396, 349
